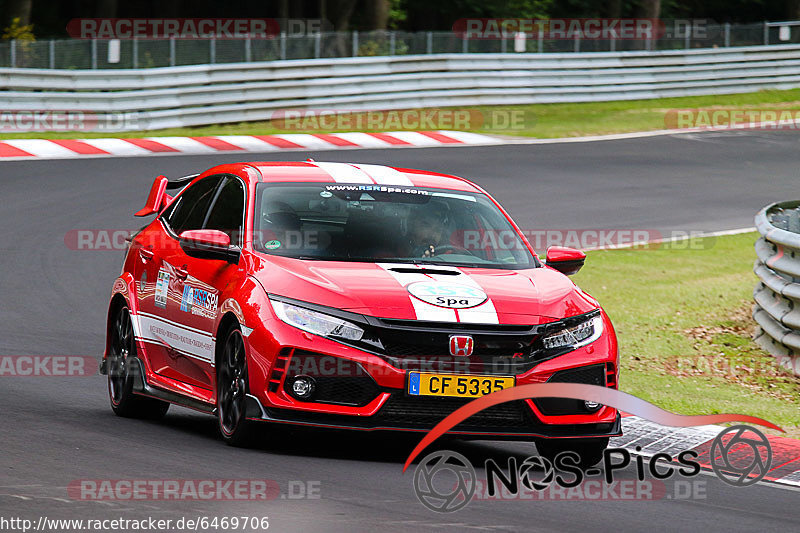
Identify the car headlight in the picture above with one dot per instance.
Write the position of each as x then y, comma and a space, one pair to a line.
576, 336
316, 322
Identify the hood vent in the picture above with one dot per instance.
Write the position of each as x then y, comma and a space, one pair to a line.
438, 271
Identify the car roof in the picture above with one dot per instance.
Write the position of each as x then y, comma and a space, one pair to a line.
331, 172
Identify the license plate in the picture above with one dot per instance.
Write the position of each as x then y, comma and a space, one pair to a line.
431, 384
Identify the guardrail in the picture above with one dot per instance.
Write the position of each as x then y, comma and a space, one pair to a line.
777, 295
236, 92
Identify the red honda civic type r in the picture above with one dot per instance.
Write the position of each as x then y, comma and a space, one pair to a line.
352, 296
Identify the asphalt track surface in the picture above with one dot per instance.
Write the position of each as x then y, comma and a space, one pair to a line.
53, 301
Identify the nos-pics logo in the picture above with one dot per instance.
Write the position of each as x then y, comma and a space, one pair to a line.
445, 481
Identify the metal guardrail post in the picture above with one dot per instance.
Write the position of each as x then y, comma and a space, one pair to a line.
135, 52
355, 43
52, 53
727, 35
429, 42
317, 44
687, 39
212, 50
576, 46
94, 54
464, 45
392, 43
283, 45
13, 53
248, 49
766, 33
503, 45
612, 47
540, 41
172, 51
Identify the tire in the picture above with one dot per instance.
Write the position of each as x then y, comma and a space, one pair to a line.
232, 388
121, 373
589, 450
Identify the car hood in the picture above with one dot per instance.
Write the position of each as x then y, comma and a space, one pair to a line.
432, 292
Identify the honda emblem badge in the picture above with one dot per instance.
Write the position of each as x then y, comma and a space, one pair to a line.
461, 345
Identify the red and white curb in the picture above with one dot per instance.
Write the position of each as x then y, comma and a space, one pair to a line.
654, 438
16, 149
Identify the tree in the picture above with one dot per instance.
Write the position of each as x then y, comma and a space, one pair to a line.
650, 9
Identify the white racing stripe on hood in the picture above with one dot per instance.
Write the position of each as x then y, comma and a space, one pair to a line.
385, 175
345, 173
481, 314
423, 310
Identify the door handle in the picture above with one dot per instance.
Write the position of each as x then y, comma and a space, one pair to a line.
181, 273
146, 253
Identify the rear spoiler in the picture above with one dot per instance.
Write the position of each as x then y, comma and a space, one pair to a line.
158, 199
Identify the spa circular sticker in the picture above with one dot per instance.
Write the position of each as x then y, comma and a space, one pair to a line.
444, 294
271, 245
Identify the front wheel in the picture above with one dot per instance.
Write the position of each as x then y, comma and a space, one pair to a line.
589, 450
232, 390
121, 372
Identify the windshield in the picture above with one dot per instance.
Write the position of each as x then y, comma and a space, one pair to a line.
380, 223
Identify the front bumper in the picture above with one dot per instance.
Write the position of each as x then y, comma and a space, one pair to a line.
501, 422
361, 390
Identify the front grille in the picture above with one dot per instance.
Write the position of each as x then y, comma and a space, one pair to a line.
425, 346
590, 375
404, 411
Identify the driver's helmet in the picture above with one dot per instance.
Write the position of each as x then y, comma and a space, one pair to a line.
433, 213
279, 216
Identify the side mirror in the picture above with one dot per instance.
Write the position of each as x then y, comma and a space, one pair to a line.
568, 261
209, 244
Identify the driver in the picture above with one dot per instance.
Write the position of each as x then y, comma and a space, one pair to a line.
427, 229
279, 222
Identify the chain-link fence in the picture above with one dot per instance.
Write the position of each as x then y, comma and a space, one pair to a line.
149, 53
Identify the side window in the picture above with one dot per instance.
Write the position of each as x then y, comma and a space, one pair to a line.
191, 207
228, 210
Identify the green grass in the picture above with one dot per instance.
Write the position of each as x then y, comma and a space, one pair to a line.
684, 330
539, 120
